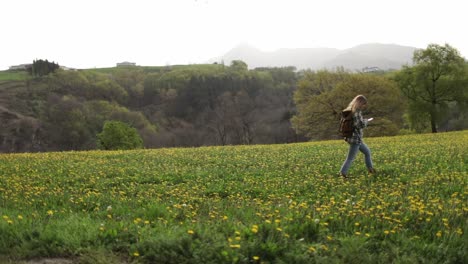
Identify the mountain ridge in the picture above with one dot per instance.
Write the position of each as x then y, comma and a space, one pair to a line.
382, 56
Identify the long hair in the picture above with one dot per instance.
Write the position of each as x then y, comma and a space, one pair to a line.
356, 103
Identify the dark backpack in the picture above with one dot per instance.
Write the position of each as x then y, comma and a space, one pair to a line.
346, 124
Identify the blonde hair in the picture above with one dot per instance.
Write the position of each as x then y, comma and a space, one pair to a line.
356, 103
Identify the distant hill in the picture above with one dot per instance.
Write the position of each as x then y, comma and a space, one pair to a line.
383, 56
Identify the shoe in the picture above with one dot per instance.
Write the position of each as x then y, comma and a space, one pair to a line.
343, 175
371, 170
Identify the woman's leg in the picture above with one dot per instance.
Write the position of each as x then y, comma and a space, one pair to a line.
353, 150
367, 155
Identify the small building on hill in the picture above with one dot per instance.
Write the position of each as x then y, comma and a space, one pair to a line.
21, 67
371, 69
125, 64
65, 68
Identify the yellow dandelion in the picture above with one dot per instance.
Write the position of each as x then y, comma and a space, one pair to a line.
20, 217
50, 212
439, 234
256, 258
312, 249
225, 217
136, 254
357, 233
386, 232
190, 232
254, 229
235, 246
329, 238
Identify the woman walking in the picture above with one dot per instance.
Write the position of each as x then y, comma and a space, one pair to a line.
355, 142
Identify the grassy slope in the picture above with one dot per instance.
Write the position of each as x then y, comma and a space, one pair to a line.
241, 204
22, 75
13, 75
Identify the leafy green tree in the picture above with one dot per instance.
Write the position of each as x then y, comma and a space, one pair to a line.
321, 96
239, 65
132, 81
109, 90
66, 124
437, 78
118, 135
100, 111
43, 67
69, 83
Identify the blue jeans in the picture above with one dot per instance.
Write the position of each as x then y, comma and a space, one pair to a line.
353, 150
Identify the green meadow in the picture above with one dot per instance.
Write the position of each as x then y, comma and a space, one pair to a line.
240, 204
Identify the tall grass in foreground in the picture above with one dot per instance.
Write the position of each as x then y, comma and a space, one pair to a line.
240, 204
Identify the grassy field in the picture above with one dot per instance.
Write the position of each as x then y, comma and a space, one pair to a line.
23, 75
13, 75
240, 204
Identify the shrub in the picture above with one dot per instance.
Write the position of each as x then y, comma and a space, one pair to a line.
118, 135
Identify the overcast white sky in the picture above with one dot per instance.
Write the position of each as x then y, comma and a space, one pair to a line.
100, 33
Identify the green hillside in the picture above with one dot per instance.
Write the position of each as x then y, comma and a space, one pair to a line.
13, 75
23, 75
180, 105
216, 105
240, 204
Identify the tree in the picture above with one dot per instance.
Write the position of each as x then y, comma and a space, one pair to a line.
43, 67
65, 122
437, 78
118, 135
321, 96
239, 65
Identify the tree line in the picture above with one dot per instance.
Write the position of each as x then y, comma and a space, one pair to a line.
203, 105
42, 67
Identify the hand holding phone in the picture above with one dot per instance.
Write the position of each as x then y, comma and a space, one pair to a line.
370, 119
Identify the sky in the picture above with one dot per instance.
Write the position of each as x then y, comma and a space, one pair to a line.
100, 33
